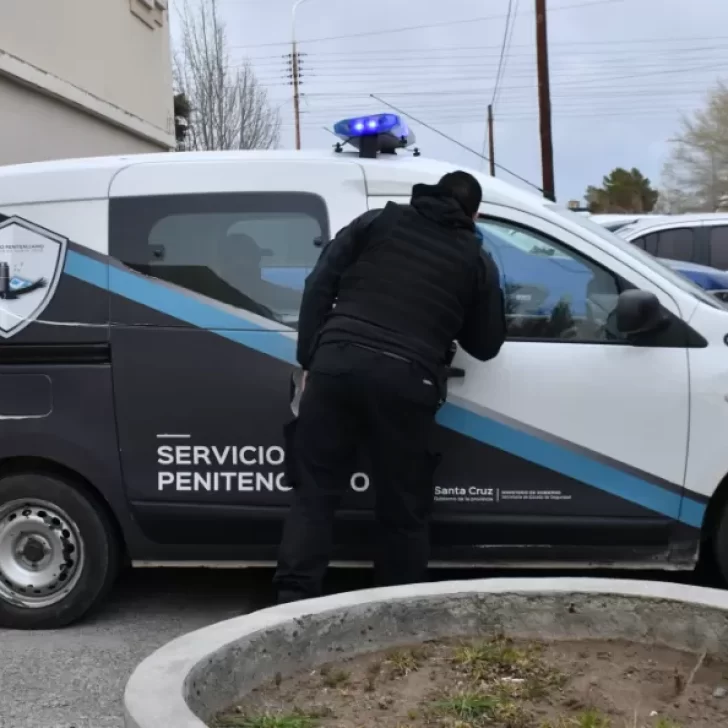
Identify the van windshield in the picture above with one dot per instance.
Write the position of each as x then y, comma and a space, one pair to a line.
632, 250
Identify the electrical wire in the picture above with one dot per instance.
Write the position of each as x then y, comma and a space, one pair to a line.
501, 60
455, 141
630, 42
645, 114
480, 61
441, 24
575, 84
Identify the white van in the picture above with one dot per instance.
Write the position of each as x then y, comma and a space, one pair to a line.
148, 312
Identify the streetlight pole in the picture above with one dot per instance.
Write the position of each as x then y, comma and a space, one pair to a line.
295, 69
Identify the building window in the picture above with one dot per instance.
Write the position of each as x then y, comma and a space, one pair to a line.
150, 12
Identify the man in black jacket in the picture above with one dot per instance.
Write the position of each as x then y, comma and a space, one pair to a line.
380, 312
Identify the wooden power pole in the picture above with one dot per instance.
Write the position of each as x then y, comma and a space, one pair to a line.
491, 141
544, 102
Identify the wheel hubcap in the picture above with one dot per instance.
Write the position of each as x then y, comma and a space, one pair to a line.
41, 553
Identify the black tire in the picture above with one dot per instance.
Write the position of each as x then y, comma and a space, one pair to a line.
719, 541
100, 549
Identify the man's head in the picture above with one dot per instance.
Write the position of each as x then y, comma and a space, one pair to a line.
465, 189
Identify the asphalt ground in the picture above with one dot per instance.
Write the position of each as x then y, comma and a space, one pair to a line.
75, 677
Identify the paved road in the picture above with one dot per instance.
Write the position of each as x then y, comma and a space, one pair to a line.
74, 678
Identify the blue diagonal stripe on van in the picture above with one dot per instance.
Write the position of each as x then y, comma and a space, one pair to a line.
190, 309
179, 305
567, 462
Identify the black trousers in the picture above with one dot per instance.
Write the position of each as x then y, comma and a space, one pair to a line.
353, 397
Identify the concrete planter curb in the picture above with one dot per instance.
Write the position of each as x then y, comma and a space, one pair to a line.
190, 679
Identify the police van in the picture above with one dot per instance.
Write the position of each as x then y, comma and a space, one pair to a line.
148, 309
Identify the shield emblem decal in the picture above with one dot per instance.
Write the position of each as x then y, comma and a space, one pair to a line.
31, 263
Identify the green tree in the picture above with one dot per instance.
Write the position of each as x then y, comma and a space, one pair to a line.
622, 191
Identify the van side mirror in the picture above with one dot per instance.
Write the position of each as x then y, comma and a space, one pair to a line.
638, 312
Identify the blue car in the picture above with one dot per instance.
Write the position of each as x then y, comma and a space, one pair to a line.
713, 280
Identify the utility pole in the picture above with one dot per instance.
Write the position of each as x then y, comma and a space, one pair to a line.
544, 102
296, 95
296, 70
491, 141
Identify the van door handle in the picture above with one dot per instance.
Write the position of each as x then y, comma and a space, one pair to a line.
454, 373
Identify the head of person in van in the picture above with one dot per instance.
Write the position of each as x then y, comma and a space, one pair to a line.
453, 201
242, 264
239, 253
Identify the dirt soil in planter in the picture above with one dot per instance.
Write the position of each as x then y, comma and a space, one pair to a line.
500, 684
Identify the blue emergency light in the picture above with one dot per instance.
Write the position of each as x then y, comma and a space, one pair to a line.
375, 133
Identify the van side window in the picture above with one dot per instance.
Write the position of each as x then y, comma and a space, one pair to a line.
252, 251
719, 247
552, 292
676, 244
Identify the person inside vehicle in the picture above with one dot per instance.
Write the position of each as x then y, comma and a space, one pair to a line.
380, 312
241, 260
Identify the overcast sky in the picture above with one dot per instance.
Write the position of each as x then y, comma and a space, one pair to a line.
622, 72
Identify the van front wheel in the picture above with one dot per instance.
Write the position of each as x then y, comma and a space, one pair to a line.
58, 554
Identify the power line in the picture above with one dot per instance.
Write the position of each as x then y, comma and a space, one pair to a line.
407, 28
502, 52
599, 104
385, 64
453, 74
479, 49
529, 107
577, 83
646, 113
455, 141
587, 89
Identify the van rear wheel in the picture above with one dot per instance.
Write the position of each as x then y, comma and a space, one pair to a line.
58, 552
719, 542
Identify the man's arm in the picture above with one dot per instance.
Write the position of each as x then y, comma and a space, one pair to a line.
322, 284
484, 328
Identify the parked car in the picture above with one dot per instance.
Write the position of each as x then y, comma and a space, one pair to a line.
711, 279
614, 222
694, 238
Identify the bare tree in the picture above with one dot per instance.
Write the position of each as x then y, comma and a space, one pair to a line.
229, 109
695, 178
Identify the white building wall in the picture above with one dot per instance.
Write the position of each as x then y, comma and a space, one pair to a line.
84, 77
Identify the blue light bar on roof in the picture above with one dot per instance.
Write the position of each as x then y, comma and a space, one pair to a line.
371, 125
375, 133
